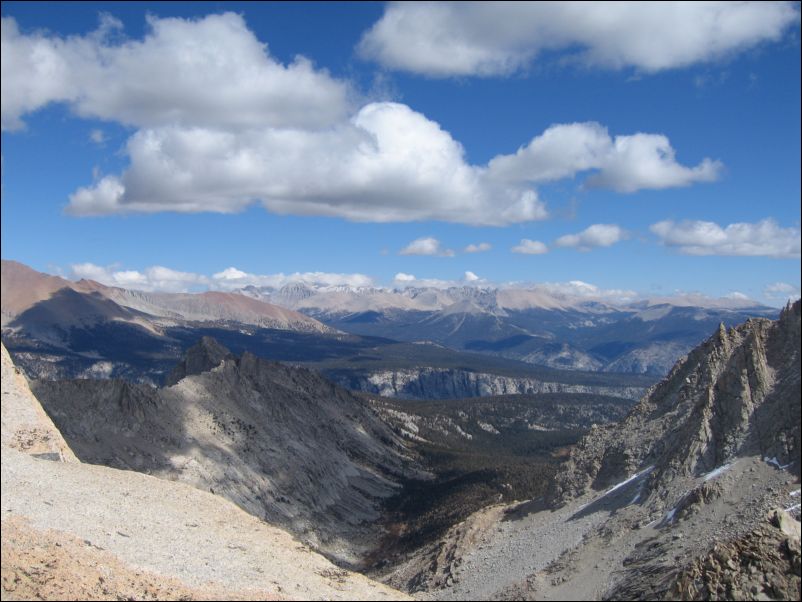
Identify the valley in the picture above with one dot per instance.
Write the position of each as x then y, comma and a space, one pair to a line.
444, 474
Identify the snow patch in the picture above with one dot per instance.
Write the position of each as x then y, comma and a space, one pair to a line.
637, 475
794, 493
792, 508
718, 471
775, 462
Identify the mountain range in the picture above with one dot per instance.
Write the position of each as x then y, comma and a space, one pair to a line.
56, 328
536, 325
691, 495
60, 328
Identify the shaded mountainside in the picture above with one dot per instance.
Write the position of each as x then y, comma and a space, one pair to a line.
282, 443
48, 305
738, 394
57, 328
73, 531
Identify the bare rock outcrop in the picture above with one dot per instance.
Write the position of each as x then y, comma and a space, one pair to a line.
737, 569
454, 383
735, 395
26, 426
76, 531
200, 358
281, 442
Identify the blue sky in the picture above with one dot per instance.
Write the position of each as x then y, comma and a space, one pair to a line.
158, 144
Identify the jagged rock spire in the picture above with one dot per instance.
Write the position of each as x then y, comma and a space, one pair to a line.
205, 355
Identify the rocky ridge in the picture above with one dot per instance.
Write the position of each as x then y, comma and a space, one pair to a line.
76, 531
281, 442
735, 395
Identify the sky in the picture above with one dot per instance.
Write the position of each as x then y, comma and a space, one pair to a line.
650, 148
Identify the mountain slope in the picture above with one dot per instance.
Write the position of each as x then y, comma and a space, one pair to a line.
25, 425
76, 531
33, 300
736, 395
282, 443
695, 494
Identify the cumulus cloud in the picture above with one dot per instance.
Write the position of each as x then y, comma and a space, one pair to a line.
154, 278
597, 235
625, 163
782, 292
222, 125
208, 72
403, 280
386, 164
232, 279
737, 295
160, 278
426, 246
490, 39
530, 247
579, 289
478, 248
764, 238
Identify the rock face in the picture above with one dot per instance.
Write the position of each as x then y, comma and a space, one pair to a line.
205, 356
738, 394
26, 426
445, 383
282, 443
734, 570
73, 531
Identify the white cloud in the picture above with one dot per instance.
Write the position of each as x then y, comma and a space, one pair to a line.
478, 248
764, 238
160, 278
98, 137
584, 290
530, 247
154, 278
426, 246
737, 295
208, 72
403, 280
647, 161
492, 38
625, 164
232, 279
597, 235
222, 125
782, 291
388, 163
